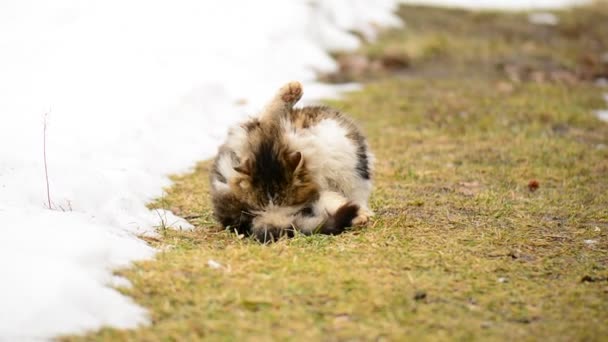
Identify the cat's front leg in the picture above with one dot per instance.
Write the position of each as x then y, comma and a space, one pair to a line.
360, 196
282, 102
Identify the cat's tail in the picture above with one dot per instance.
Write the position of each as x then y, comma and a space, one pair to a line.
282, 102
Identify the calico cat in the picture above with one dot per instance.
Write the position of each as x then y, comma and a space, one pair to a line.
292, 169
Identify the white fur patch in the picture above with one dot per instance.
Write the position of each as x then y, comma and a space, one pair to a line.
220, 186
330, 155
225, 167
237, 140
274, 216
330, 201
310, 224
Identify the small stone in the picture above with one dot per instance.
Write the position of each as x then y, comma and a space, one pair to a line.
602, 115
469, 188
504, 87
502, 280
341, 319
395, 61
419, 295
601, 82
523, 320
214, 264
592, 279
543, 18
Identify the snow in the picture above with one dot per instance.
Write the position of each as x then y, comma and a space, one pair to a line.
602, 114
512, 5
543, 18
55, 272
132, 91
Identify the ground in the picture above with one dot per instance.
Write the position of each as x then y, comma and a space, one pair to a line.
491, 201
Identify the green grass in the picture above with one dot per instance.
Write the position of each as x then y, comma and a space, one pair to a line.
460, 248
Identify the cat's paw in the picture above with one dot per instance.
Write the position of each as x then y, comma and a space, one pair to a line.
361, 219
291, 92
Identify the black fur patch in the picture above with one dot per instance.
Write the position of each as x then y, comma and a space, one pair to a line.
216, 174
362, 162
342, 219
232, 213
307, 211
269, 174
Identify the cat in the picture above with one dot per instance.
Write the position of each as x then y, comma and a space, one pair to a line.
292, 169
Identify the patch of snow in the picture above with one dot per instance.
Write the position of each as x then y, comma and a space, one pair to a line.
602, 114
543, 18
134, 91
55, 267
513, 5
169, 220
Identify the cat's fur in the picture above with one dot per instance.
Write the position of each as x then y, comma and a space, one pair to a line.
306, 169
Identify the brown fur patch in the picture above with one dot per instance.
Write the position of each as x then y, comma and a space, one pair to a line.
272, 172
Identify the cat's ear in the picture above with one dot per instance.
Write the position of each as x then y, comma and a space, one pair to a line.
294, 161
244, 168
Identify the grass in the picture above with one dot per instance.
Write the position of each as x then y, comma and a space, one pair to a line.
462, 247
